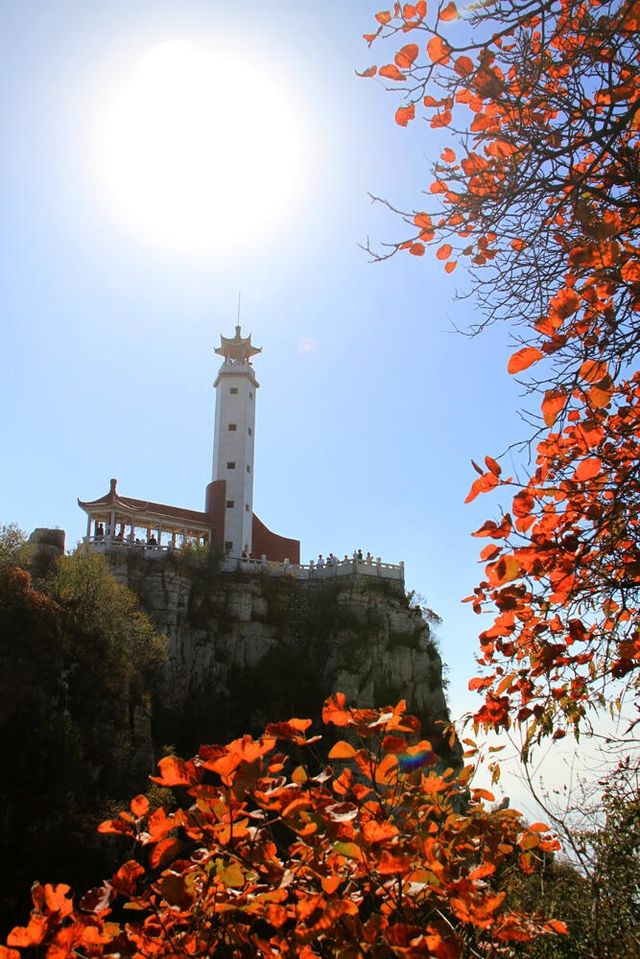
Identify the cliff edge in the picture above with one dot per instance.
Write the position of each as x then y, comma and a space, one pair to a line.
246, 648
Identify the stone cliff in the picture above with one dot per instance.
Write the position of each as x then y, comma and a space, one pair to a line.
246, 649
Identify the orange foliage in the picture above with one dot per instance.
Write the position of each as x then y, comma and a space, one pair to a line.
384, 857
542, 202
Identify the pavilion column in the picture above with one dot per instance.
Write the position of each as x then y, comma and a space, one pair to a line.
173, 539
132, 533
89, 526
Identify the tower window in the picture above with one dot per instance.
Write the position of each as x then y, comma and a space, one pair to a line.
248, 468
234, 389
230, 504
250, 431
228, 545
250, 395
233, 427
247, 507
231, 466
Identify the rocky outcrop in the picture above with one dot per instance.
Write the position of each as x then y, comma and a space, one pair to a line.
246, 649
47, 545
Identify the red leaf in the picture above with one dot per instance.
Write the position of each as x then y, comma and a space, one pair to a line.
552, 405
489, 552
448, 155
564, 303
374, 831
523, 359
588, 469
125, 879
391, 72
444, 252
407, 55
116, 827
9, 953
160, 824
450, 12
423, 220
438, 50
416, 249
55, 897
493, 465
175, 772
482, 485
593, 371
334, 710
405, 114
450, 266
342, 750
31, 935
464, 66
369, 72
483, 794
165, 850
139, 806
599, 398
383, 17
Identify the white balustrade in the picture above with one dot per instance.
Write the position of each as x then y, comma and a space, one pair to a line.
306, 571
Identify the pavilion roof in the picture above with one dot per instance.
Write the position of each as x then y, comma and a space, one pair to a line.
127, 505
238, 348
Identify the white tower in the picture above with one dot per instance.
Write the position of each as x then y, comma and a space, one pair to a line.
233, 442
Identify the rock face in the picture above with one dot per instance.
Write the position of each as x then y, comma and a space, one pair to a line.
47, 546
246, 649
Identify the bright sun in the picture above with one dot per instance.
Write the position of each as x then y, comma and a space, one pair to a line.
200, 151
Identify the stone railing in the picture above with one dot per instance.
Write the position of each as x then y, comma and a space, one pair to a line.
230, 564
102, 544
344, 567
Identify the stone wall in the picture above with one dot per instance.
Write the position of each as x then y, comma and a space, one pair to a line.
246, 649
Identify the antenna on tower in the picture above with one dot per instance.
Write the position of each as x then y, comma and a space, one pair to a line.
239, 295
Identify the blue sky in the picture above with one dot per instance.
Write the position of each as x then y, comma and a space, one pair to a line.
107, 337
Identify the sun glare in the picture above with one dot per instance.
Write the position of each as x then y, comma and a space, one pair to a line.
200, 150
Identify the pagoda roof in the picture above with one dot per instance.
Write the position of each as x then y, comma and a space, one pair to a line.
238, 348
140, 508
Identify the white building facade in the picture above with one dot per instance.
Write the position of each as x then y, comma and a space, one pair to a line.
234, 437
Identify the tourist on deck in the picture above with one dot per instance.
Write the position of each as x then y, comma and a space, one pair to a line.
368, 559
152, 541
359, 555
331, 560
320, 562
99, 531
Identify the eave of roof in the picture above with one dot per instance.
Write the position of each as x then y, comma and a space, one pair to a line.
138, 507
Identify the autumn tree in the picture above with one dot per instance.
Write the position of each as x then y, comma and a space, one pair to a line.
383, 853
14, 548
537, 194
75, 664
595, 887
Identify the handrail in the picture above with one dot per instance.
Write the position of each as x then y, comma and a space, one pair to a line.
310, 571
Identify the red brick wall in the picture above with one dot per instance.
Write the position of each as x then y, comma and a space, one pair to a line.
214, 507
274, 547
